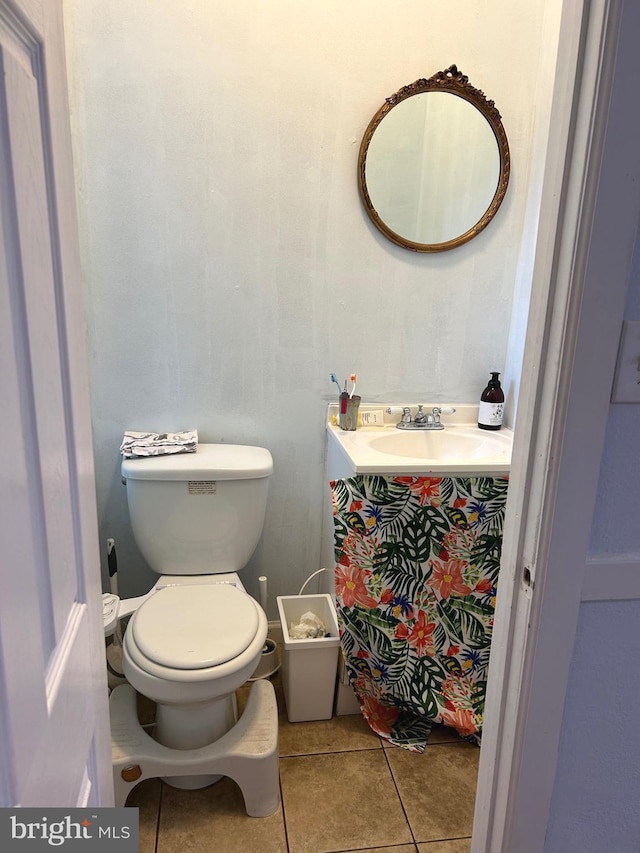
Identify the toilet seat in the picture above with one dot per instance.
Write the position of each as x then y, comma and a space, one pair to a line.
193, 632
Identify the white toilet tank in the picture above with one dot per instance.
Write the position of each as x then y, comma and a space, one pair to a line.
198, 513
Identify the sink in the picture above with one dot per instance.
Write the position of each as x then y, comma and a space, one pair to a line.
460, 448
450, 444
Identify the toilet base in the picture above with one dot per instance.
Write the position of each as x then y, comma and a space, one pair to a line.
247, 753
194, 726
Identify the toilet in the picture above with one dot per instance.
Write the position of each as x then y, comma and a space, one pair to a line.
197, 635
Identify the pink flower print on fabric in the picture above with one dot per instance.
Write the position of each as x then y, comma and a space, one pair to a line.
381, 718
351, 589
421, 635
458, 711
460, 719
447, 578
427, 490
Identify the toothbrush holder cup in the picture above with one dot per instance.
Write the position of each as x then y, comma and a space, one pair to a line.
349, 420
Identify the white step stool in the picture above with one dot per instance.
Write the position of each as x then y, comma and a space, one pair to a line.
247, 753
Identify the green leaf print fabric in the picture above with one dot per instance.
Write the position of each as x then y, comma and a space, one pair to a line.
417, 561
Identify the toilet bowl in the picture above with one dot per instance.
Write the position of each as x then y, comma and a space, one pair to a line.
197, 636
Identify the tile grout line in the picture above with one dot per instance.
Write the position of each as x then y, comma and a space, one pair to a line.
332, 752
404, 811
381, 847
284, 813
160, 799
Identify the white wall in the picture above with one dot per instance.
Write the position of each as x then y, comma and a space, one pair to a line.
228, 263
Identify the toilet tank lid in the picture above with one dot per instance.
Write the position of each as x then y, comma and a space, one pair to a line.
209, 462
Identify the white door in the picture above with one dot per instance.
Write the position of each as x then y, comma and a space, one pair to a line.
54, 729
570, 357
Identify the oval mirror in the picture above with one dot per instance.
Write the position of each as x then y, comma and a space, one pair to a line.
434, 165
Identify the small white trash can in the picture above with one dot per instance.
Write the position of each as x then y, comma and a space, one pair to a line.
309, 666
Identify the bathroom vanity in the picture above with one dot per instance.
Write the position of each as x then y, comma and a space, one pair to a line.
413, 518
460, 449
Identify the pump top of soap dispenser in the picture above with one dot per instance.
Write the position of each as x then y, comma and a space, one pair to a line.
493, 393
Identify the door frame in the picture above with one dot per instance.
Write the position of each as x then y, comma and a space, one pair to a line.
588, 222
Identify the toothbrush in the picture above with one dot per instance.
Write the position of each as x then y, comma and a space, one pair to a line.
333, 378
353, 378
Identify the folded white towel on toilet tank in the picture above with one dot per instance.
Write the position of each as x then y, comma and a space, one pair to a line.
158, 443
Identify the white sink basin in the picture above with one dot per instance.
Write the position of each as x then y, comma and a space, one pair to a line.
453, 443
453, 450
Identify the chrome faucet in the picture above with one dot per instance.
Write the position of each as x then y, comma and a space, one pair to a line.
422, 419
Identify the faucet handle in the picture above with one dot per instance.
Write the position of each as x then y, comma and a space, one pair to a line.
441, 410
405, 411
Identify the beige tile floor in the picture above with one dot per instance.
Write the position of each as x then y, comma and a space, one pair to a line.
343, 789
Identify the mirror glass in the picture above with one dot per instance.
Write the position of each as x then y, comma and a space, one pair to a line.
434, 163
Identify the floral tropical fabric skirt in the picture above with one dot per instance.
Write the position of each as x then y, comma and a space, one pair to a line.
417, 562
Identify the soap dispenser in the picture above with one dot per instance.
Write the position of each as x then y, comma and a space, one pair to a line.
491, 404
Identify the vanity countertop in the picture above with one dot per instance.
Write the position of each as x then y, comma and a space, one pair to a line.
460, 448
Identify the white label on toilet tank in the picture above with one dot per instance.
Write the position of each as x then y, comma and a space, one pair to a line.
202, 487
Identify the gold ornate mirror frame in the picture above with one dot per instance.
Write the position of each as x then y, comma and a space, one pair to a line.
450, 81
